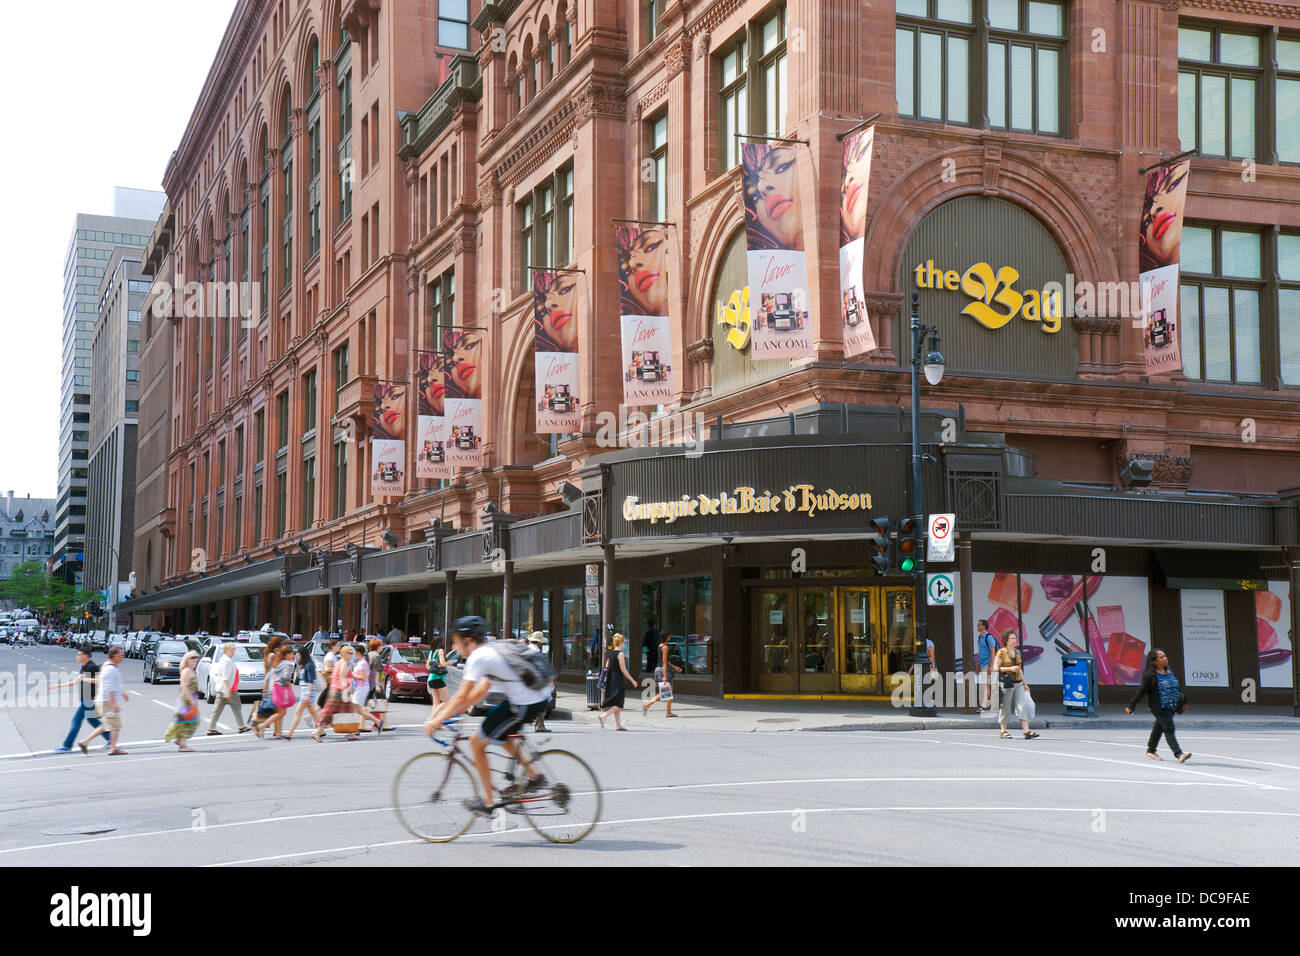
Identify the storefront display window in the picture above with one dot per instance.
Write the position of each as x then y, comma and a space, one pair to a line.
681, 610
521, 614
571, 634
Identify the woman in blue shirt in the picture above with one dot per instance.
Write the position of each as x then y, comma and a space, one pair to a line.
1165, 698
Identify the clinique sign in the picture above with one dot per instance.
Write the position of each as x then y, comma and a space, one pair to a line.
797, 499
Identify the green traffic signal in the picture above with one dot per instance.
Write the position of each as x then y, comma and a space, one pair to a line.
908, 565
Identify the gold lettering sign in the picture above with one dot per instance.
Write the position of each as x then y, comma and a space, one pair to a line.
797, 499
735, 313
997, 301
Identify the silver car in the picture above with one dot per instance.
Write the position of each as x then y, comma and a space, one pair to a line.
248, 661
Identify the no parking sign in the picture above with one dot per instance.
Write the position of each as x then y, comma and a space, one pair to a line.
942, 531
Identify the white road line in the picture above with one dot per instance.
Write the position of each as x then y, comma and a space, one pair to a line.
1201, 753
784, 813
1164, 767
742, 783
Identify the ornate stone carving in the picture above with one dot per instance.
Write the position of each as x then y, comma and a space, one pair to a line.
1170, 5
599, 100
1274, 11
677, 57
489, 189
700, 352
1096, 324
883, 306
702, 41
1168, 470
992, 166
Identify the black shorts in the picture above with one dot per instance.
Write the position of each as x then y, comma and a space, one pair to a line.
506, 718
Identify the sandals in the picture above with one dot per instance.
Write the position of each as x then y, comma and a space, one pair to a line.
1184, 758
1005, 735
1154, 756
1030, 734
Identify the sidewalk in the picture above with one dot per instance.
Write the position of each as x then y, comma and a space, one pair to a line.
757, 716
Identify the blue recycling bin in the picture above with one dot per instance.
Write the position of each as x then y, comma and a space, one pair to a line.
1079, 685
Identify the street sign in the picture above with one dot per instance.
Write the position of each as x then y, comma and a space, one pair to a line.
939, 590
593, 599
593, 574
942, 534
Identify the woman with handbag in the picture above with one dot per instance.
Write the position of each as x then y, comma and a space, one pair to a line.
663, 682
280, 679
362, 685
306, 691
338, 700
1010, 666
186, 718
614, 673
1165, 698
437, 676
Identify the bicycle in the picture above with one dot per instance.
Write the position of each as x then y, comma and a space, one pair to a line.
431, 791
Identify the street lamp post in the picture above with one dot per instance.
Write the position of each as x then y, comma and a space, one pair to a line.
931, 363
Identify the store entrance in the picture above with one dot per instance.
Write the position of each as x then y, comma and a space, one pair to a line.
829, 640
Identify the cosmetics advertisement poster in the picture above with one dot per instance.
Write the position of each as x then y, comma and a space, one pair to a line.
463, 402
646, 330
388, 439
1205, 638
858, 337
1276, 634
1159, 245
774, 244
556, 307
430, 448
1052, 613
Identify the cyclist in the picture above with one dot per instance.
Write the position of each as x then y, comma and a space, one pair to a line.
485, 666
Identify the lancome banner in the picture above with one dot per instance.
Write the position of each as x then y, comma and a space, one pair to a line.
778, 267
431, 440
858, 337
1158, 250
462, 355
555, 351
647, 337
388, 440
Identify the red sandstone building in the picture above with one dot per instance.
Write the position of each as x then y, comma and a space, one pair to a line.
387, 169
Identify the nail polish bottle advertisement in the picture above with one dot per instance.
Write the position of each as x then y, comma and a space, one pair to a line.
1275, 634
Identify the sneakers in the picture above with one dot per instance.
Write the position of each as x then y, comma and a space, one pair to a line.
478, 807
535, 784
63, 750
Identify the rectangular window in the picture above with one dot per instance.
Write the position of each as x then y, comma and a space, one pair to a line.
309, 401
258, 510
340, 479
733, 103
345, 136
546, 225
1220, 298
1286, 99
657, 136
132, 405
281, 502
282, 419
1219, 79
453, 23
239, 451
440, 306
771, 68
259, 429
308, 493
654, 9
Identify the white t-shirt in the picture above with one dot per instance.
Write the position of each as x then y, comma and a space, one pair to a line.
487, 664
110, 682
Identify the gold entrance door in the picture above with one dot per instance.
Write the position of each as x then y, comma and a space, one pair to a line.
818, 671
776, 636
861, 621
899, 628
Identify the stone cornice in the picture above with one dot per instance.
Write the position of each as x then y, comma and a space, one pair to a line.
1255, 8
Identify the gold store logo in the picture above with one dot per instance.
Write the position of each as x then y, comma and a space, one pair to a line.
997, 301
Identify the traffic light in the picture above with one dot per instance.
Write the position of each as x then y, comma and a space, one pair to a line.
882, 559
911, 546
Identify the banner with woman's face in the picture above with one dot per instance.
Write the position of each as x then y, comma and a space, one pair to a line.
462, 356
647, 339
858, 337
388, 440
557, 300
774, 243
430, 439
1159, 242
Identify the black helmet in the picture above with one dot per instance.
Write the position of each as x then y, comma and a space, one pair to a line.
470, 626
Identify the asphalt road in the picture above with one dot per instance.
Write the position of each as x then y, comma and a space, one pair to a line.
947, 798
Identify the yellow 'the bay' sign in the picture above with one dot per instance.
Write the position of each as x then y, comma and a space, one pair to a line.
997, 301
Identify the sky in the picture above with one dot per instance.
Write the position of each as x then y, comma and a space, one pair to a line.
98, 95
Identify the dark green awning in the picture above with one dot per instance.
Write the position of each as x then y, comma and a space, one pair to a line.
1212, 570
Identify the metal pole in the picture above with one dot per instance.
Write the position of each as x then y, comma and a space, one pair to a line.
970, 663
507, 602
920, 659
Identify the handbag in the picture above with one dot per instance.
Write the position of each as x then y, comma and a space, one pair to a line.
1009, 680
186, 713
266, 708
282, 696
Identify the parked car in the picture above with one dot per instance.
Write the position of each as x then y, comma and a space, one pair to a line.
259, 637
163, 659
117, 640
99, 640
248, 661
456, 673
403, 671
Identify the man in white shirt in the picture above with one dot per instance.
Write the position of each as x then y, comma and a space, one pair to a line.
111, 700
485, 666
225, 686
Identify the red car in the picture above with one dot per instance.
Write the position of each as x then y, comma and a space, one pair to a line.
404, 671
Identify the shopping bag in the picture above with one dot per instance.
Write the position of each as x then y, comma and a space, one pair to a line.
346, 723
665, 690
1025, 707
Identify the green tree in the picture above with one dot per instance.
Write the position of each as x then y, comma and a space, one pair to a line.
27, 585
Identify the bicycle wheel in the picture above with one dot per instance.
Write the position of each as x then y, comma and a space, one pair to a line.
429, 796
567, 807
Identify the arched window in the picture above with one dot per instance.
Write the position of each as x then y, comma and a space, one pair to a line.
286, 168
343, 70
313, 152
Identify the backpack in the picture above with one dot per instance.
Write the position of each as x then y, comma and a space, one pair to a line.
533, 670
